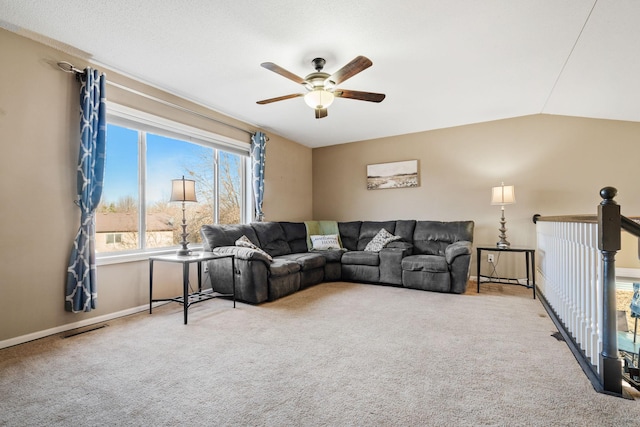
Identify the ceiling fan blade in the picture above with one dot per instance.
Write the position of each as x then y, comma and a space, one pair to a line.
321, 112
284, 73
358, 64
279, 98
361, 96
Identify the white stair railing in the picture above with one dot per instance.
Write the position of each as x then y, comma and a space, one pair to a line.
576, 280
569, 279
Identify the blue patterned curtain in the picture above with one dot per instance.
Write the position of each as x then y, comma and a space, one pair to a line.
258, 148
81, 291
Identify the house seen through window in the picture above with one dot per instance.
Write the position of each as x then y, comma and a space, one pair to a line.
135, 214
114, 238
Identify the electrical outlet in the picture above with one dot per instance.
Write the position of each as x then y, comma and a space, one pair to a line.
490, 258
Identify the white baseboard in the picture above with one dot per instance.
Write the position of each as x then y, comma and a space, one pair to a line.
630, 273
69, 326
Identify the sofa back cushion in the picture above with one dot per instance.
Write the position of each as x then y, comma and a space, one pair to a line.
296, 235
349, 233
405, 229
369, 229
432, 237
272, 238
214, 236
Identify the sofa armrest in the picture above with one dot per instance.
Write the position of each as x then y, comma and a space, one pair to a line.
249, 278
246, 254
456, 249
391, 262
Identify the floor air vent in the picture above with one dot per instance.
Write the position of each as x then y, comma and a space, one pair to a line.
83, 330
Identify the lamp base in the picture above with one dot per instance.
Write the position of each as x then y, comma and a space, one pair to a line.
503, 244
184, 251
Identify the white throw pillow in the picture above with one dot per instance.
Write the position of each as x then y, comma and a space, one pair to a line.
244, 242
380, 240
324, 242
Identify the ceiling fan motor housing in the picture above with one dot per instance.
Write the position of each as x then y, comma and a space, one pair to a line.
317, 80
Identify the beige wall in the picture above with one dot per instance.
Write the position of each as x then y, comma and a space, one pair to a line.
38, 220
557, 164
288, 192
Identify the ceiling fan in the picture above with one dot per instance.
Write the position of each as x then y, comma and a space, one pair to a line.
321, 86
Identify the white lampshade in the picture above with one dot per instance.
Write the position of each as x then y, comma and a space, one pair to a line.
319, 98
503, 195
183, 190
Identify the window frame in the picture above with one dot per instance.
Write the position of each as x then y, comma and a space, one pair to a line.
141, 121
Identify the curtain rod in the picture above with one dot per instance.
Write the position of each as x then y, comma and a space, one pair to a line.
69, 68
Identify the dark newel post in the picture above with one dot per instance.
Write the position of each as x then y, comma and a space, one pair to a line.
609, 243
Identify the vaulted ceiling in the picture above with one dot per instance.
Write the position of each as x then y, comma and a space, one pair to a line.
440, 63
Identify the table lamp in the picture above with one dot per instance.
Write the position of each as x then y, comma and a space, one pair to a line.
183, 190
503, 195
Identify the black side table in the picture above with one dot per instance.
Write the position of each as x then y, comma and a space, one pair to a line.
530, 255
187, 299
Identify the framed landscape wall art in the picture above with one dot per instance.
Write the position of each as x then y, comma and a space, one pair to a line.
393, 175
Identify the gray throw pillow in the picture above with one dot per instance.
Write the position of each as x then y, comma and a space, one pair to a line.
244, 242
380, 240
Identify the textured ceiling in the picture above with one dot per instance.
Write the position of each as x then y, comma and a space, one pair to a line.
440, 63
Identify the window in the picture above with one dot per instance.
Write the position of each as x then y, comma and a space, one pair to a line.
114, 238
144, 153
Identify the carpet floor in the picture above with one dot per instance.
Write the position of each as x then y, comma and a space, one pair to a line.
336, 354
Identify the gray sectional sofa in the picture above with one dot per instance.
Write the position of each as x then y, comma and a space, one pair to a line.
430, 255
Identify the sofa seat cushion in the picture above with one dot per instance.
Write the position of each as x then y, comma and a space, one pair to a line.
282, 267
361, 258
306, 260
430, 263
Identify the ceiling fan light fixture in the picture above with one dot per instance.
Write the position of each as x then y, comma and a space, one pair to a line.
318, 98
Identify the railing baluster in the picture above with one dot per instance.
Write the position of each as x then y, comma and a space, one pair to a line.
590, 287
581, 283
576, 297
